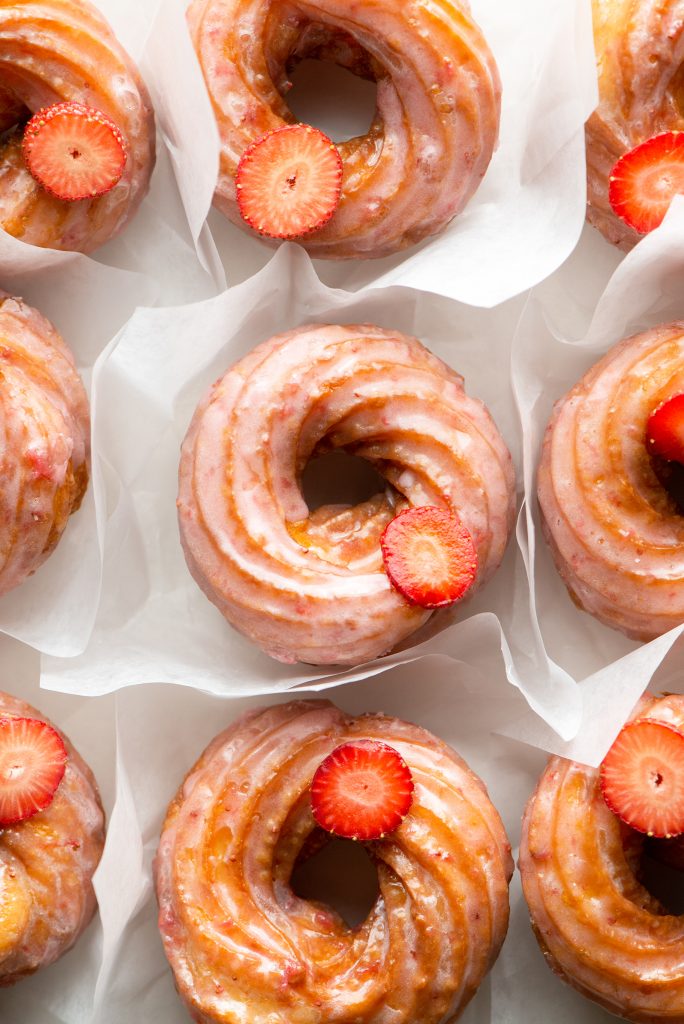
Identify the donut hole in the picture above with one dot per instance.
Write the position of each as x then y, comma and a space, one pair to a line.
677, 89
661, 872
671, 477
341, 875
331, 98
337, 478
14, 116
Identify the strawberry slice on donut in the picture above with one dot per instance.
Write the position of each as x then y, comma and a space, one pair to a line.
289, 182
642, 778
32, 764
362, 790
645, 180
75, 152
429, 556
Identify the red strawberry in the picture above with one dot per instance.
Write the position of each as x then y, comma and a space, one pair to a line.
289, 182
74, 152
429, 556
665, 430
32, 764
362, 790
645, 180
642, 778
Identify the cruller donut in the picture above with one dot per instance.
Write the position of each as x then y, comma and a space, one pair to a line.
244, 947
44, 440
311, 587
615, 533
437, 117
598, 927
46, 867
640, 56
54, 51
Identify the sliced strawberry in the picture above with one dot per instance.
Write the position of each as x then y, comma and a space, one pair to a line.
32, 764
429, 556
642, 778
645, 180
74, 152
665, 430
362, 790
289, 182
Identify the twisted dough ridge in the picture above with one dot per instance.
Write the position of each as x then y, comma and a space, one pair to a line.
437, 117
598, 927
640, 55
46, 866
615, 534
244, 947
312, 587
44, 440
54, 51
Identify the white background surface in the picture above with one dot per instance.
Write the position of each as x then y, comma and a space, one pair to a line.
153, 625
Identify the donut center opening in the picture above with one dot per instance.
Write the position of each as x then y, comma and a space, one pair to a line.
350, 505
671, 477
678, 92
337, 478
340, 875
332, 99
661, 872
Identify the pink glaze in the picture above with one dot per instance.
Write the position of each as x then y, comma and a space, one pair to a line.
64, 50
640, 55
313, 588
598, 927
243, 947
44, 440
437, 116
46, 866
615, 534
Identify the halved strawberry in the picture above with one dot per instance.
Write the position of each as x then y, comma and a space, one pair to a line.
289, 182
642, 778
644, 181
665, 430
429, 556
74, 152
362, 790
32, 764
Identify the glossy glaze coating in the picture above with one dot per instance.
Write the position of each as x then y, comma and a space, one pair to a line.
598, 927
44, 440
63, 50
437, 116
46, 866
244, 947
614, 531
312, 587
640, 54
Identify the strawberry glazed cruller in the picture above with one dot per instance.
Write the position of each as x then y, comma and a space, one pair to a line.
437, 119
599, 928
44, 440
54, 51
307, 586
244, 947
46, 867
640, 56
616, 535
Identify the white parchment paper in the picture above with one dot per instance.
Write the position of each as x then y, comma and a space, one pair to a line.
154, 624
559, 337
89, 299
525, 218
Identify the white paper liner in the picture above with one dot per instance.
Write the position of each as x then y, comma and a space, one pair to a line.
558, 339
154, 624
89, 299
526, 216
63, 992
